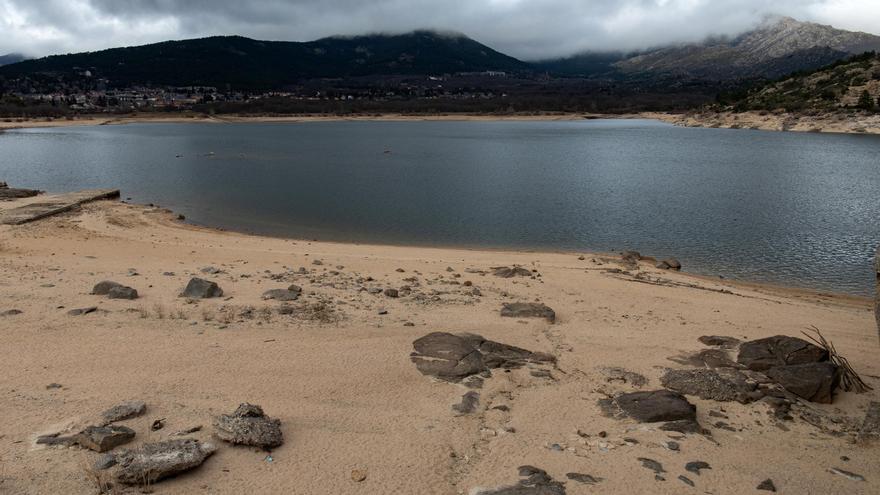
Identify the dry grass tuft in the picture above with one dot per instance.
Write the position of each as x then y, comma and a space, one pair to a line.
849, 379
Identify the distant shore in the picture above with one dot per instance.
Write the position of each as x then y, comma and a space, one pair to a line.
839, 123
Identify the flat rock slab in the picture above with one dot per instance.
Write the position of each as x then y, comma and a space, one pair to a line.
651, 407
721, 341
54, 205
104, 438
453, 357
249, 425
124, 410
528, 310
706, 358
282, 294
535, 482
722, 385
781, 350
155, 461
815, 382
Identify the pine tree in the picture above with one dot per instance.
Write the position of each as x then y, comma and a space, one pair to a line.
866, 102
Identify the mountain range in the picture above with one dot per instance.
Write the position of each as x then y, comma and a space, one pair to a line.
777, 47
11, 58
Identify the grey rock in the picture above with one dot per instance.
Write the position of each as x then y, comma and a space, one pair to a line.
586, 479
696, 466
453, 357
781, 350
124, 410
528, 310
767, 486
631, 256
684, 479
122, 293
198, 288
11, 312
468, 404
673, 264
720, 341
535, 482
103, 288
391, 293
210, 270
815, 382
652, 465
510, 272
82, 311
248, 425
683, 426
104, 438
651, 407
282, 294
721, 385
152, 462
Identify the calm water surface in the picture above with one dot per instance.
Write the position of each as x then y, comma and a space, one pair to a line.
787, 208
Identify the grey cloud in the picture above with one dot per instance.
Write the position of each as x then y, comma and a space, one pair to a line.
528, 29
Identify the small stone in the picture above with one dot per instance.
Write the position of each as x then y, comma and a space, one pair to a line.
317, 262
528, 310
391, 293
583, 478
846, 474
652, 465
11, 312
282, 294
510, 272
719, 341
123, 411
684, 479
53, 386
468, 404
359, 475
767, 486
696, 466
673, 446
82, 311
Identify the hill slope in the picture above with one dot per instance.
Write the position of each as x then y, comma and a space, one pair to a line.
251, 64
778, 47
11, 58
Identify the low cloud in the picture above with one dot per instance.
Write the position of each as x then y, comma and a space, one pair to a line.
528, 29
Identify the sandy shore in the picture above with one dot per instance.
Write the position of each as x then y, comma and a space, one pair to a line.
182, 118
839, 123
337, 372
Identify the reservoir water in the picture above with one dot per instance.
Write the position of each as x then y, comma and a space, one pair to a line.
785, 208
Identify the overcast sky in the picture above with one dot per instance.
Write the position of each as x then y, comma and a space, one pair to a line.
527, 29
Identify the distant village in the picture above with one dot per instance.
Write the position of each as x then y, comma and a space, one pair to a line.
94, 95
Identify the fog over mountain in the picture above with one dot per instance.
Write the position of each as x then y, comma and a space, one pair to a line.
529, 30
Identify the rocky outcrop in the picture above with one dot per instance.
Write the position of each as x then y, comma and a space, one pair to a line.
249, 425
814, 382
781, 350
156, 461
528, 310
453, 357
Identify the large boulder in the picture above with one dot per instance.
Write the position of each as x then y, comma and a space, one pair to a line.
781, 350
104, 438
528, 310
249, 425
815, 382
152, 462
198, 288
652, 407
453, 357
